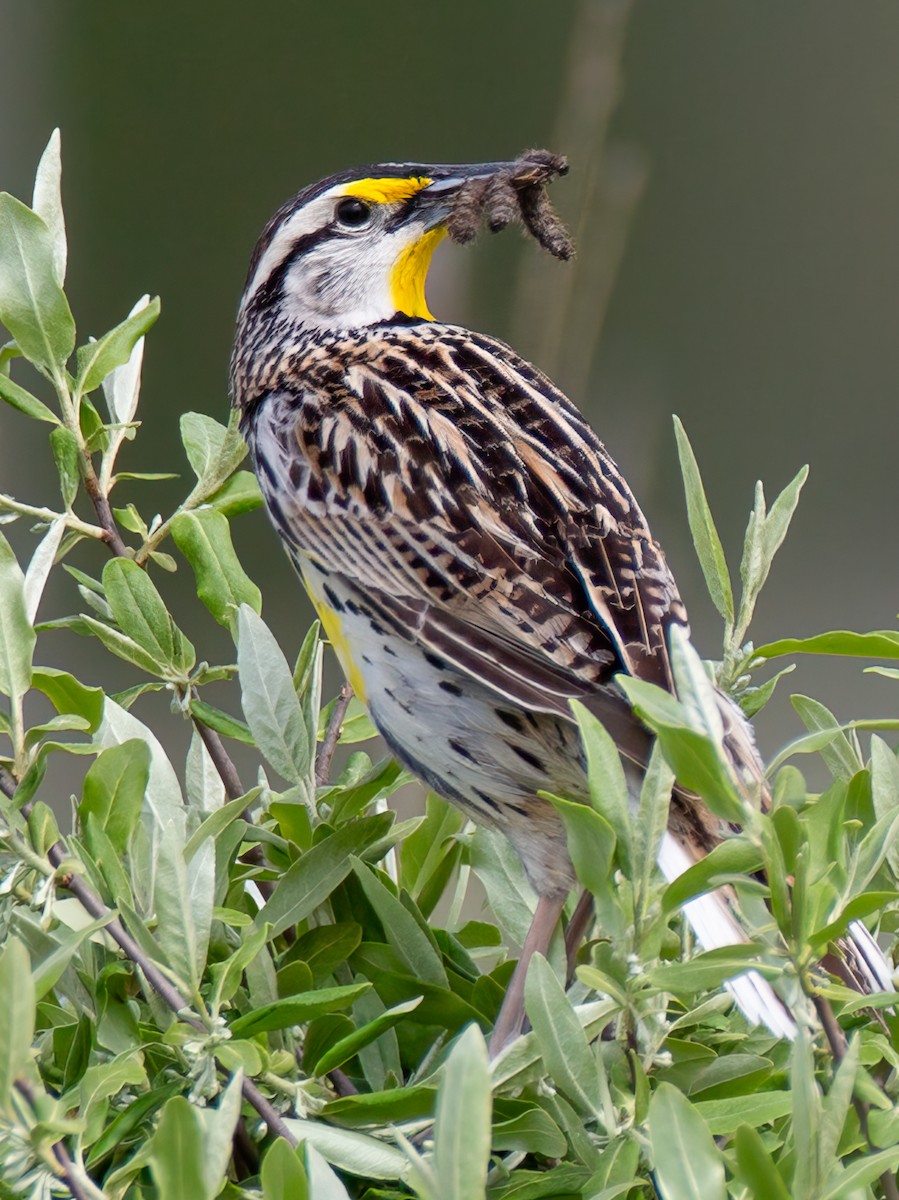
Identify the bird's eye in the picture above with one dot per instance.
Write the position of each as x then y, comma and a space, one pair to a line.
353, 213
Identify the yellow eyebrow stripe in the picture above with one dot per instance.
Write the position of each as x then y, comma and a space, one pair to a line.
385, 191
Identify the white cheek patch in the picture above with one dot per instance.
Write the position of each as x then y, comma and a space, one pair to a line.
342, 283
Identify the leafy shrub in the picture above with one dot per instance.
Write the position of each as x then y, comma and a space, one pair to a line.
212, 990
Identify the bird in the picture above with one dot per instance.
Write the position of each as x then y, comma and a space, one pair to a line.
475, 556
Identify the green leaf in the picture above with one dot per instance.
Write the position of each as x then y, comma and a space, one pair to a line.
218, 1125
283, 1175
753, 699
16, 633
177, 1153
692, 755
860, 1173
141, 614
344, 1049
402, 930
33, 306
239, 494
269, 701
806, 1116
124, 647
591, 846
757, 1167
17, 1002
702, 526
760, 1108
213, 450
462, 1125
114, 790
705, 971
296, 1010
121, 387
47, 202
204, 538
882, 644
315, 875
98, 359
885, 788
687, 1163
23, 400
606, 780
736, 856
560, 1037
176, 931
764, 536
221, 722
67, 456
842, 760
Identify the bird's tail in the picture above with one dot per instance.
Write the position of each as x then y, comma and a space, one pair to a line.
714, 924
856, 958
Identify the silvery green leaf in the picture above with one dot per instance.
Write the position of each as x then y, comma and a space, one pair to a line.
807, 1117
462, 1125
764, 536
269, 701
885, 788
356, 1153
561, 1039
163, 802
175, 930
204, 538
39, 567
213, 450
201, 893
17, 1001
33, 306
702, 526
837, 751
688, 1165
47, 202
323, 1183
23, 400
115, 350
606, 780
218, 1126
177, 1153
205, 789
16, 633
121, 387
695, 690
499, 869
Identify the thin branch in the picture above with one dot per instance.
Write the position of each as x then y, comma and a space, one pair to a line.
104, 512
221, 760
332, 735
67, 1170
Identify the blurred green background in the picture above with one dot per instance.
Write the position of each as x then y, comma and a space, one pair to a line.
735, 187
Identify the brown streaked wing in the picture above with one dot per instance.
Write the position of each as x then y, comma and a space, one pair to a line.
438, 467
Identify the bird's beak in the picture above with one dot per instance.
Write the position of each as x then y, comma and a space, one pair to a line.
434, 203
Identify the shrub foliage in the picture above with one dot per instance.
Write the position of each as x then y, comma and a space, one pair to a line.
213, 990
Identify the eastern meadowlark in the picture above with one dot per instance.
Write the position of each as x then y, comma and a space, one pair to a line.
474, 554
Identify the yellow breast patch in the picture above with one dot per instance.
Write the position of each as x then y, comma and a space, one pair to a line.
334, 632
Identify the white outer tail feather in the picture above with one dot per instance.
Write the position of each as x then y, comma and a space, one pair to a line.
715, 925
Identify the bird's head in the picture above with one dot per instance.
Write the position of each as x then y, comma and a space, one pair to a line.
354, 249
